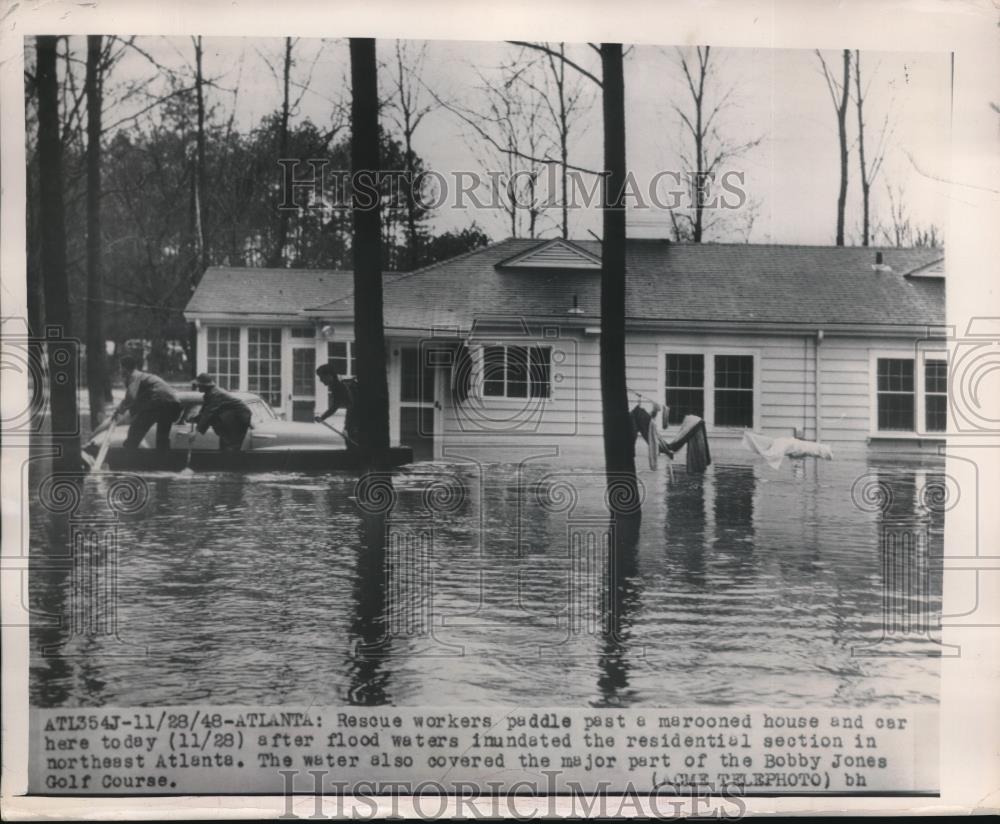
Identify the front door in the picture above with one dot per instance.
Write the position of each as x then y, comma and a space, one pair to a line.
416, 403
303, 397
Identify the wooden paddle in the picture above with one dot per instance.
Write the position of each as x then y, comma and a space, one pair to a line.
343, 435
105, 446
187, 470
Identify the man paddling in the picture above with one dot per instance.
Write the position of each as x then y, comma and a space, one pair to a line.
228, 416
151, 400
343, 394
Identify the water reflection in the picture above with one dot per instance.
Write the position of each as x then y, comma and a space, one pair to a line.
742, 585
370, 640
624, 595
50, 603
686, 518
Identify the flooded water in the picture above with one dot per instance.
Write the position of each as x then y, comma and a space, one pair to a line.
486, 584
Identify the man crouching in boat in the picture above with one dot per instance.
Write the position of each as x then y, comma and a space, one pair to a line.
228, 416
343, 393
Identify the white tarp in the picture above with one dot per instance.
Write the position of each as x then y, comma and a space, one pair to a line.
775, 450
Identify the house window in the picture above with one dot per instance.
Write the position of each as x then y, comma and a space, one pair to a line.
911, 394
303, 332
264, 363
896, 394
340, 355
716, 387
517, 371
734, 390
224, 355
685, 386
935, 395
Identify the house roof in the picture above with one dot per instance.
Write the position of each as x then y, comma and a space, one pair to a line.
666, 282
242, 291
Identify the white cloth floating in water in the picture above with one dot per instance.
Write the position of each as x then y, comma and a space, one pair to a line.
775, 450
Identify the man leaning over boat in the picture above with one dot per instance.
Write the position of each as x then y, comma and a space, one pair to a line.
149, 399
228, 416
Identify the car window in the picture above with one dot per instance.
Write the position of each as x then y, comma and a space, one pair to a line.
260, 411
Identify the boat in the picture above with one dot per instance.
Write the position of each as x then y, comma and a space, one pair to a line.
271, 445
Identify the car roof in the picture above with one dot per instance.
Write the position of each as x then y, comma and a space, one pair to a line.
193, 396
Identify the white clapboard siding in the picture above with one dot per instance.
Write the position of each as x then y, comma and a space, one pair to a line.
786, 387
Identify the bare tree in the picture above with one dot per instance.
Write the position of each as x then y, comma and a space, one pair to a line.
902, 231
407, 105
62, 380
619, 440
708, 150
507, 134
369, 333
277, 256
95, 275
839, 96
201, 189
512, 115
565, 98
869, 170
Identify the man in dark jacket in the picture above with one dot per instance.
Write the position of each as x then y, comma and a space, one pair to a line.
342, 396
151, 400
228, 416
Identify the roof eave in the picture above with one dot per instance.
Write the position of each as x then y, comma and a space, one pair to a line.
245, 317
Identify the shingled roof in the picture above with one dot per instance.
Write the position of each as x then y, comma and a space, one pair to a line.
242, 291
666, 282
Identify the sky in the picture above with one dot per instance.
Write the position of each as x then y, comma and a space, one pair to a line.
777, 95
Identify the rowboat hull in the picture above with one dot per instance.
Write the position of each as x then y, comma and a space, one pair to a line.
315, 460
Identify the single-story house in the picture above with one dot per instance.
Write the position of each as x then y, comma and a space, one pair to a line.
843, 345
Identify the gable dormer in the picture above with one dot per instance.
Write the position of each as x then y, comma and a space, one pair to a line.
554, 254
934, 269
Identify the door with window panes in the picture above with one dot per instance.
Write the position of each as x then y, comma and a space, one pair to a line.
303, 394
416, 402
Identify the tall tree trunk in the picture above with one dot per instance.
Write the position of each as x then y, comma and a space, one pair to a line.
619, 442
412, 238
95, 275
699, 150
200, 191
865, 182
277, 258
564, 141
842, 133
369, 333
201, 188
36, 307
62, 376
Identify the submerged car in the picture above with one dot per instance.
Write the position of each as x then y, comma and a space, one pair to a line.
270, 443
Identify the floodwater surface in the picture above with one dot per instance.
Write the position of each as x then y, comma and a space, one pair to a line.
486, 584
